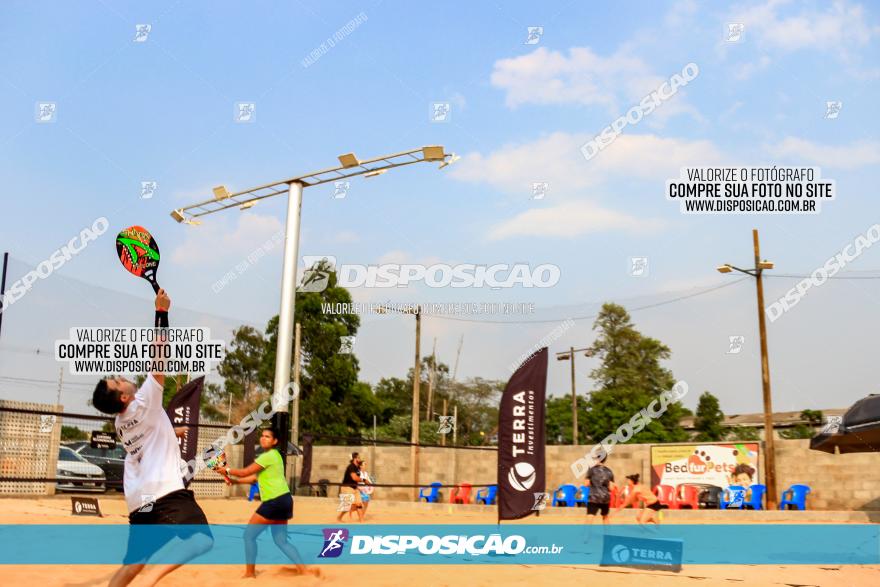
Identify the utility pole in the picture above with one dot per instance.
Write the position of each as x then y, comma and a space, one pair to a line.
414, 439
60, 380
770, 456
443, 436
769, 441
429, 409
297, 359
569, 356
457, 356
3, 286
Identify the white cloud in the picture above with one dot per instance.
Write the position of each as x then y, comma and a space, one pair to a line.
858, 154
582, 77
841, 26
556, 159
571, 219
211, 243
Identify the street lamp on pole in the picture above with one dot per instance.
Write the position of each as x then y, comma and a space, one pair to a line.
349, 166
566, 356
769, 444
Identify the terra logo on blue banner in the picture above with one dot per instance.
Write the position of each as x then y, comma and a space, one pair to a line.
334, 542
626, 551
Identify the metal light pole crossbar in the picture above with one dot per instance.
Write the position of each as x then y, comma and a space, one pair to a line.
349, 166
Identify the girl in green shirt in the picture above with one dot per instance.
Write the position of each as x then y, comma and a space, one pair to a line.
276, 508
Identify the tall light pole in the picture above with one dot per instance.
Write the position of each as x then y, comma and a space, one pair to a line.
417, 375
769, 443
569, 356
349, 166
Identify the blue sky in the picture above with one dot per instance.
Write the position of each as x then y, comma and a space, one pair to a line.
162, 110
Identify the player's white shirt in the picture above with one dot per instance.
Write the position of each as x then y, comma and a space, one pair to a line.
152, 460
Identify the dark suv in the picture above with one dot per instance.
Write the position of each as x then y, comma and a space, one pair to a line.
111, 461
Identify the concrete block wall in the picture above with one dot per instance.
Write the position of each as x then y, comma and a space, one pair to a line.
838, 482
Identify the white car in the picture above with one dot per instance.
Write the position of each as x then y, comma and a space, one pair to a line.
74, 473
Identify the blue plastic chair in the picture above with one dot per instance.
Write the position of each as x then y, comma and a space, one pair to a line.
568, 496
737, 495
253, 492
487, 495
433, 493
757, 500
584, 496
797, 496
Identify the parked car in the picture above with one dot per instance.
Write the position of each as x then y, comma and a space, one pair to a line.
74, 473
111, 461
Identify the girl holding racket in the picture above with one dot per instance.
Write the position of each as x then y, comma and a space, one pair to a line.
276, 508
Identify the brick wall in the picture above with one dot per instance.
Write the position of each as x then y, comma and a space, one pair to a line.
838, 482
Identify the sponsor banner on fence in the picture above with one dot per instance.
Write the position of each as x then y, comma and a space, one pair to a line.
84, 506
472, 544
720, 465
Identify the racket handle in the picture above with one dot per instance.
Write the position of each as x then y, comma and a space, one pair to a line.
155, 287
161, 319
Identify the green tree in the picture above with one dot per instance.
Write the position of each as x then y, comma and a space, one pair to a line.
709, 419
331, 399
629, 378
802, 430
558, 424
70, 433
742, 433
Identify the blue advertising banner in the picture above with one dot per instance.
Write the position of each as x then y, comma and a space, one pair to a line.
536, 544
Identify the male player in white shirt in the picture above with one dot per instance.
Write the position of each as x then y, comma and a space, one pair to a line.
159, 506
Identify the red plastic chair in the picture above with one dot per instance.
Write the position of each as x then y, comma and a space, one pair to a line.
666, 495
616, 498
461, 494
687, 496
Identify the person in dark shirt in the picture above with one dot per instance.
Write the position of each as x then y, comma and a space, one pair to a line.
349, 495
600, 480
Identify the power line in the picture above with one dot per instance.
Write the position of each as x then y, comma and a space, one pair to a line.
592, 316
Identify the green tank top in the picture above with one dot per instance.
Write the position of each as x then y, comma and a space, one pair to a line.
271, 480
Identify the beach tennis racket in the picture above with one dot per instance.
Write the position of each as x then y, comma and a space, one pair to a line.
217, 462
139, 253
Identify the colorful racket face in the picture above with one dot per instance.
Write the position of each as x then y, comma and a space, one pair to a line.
139, 253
